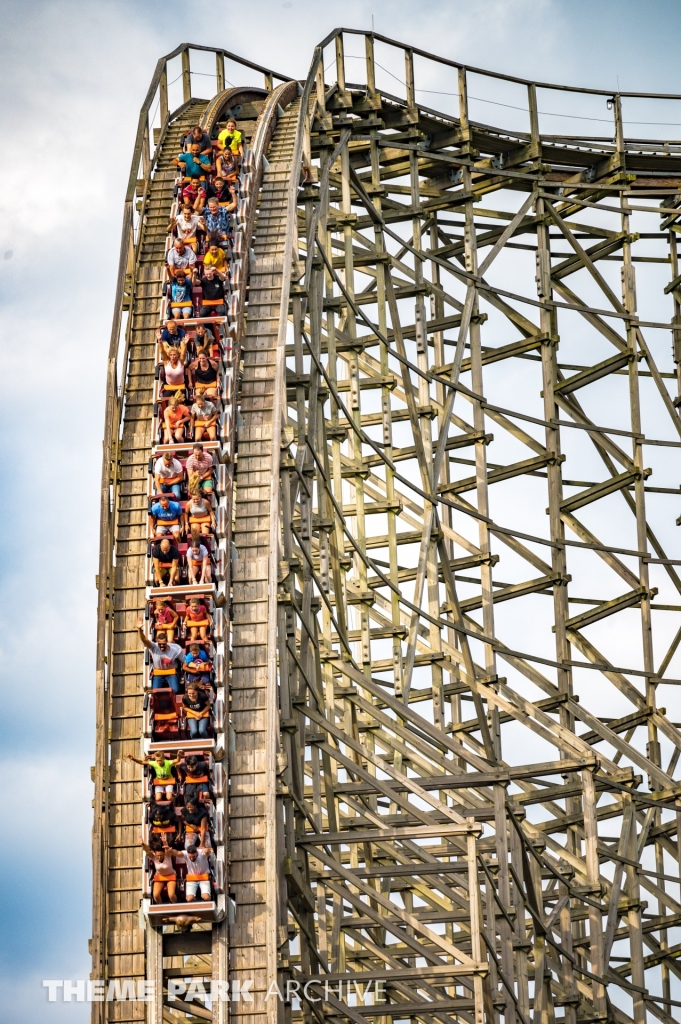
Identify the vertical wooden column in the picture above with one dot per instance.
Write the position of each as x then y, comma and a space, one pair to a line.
412, 112
475, 924
474, 335
219, 71
340, 70
653, 746
186, 77
372, 98
549, 356
464, 126
534, 120
593, 881
146, 156
163, 96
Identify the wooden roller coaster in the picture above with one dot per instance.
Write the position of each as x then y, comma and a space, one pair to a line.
445, 582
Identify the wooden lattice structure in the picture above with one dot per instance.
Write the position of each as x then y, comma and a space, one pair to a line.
453, 580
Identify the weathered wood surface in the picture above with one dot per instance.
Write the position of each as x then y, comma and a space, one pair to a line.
251, 764
125, 939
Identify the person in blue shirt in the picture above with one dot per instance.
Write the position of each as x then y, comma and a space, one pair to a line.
172, 334
217, 218
166, 516
181, 296
197, 665
194, 164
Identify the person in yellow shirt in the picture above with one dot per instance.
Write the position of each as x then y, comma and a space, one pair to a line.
215, 257
231, 138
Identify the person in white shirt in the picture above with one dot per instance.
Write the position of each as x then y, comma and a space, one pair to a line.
186, 224
180, 257
168, 475
198, 872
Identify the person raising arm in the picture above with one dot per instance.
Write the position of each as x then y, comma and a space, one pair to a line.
164, 658
162, 766
186, 224
172, 361
198, 872
216, 217
161, 856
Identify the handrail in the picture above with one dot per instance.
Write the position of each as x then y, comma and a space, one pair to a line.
161, 66
608, 93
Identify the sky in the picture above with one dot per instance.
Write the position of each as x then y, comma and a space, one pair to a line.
75, 73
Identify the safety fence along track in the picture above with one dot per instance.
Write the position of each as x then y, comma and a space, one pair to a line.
438, 612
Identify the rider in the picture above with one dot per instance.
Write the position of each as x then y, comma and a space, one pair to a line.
168, 475
162, 765
195, 819
165, 516
197, 711
196, 778
160, 854
164, 658
198, 873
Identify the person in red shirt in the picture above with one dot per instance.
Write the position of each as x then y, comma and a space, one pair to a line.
194, 193
201, 464
197, 620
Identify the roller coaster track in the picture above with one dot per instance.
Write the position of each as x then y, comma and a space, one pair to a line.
441, 795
